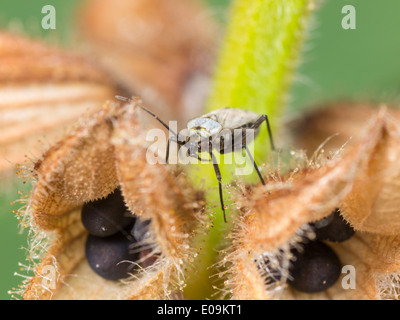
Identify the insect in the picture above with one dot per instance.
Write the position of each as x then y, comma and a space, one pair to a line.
225, 130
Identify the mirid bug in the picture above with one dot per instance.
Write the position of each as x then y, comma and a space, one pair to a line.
225, 130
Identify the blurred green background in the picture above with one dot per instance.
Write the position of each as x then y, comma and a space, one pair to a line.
361, 64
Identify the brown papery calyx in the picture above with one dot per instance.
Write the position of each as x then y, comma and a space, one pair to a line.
363, 182
43, 91
106, 151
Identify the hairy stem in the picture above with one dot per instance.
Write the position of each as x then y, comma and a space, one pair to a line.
261, 47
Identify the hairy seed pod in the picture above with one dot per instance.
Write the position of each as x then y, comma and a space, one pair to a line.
362, 181
333, 125
108, 150
166, 57
43, 91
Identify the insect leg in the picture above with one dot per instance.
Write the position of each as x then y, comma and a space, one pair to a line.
198, 157
172, 139
258, 123
201, 159
218, 174
255, 165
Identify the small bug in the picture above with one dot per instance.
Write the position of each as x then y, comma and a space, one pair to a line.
228, 128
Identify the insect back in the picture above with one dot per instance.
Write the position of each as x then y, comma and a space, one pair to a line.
225, 136
225, 131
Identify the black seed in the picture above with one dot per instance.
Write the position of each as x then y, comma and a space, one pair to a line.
314, 269
111, 257
105, 217
333, 228
323, 222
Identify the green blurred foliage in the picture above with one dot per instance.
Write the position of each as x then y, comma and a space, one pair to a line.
26, 16
12, 242
361, 64
337, 63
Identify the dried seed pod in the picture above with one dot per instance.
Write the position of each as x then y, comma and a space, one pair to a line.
43, 90
159, 50
272, 224
373, 205
107, 151
336, 123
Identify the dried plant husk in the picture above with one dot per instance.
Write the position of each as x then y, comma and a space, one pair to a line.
43, 90
336, 123
159, 50
362, 182
106, 151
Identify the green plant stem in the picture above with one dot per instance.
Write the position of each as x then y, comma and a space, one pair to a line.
257, 59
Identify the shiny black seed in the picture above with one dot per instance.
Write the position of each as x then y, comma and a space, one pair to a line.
111, 257
333, 228
315, 268
105, 217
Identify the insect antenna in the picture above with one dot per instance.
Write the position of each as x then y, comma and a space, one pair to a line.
258, 122
150, 113
271, 140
